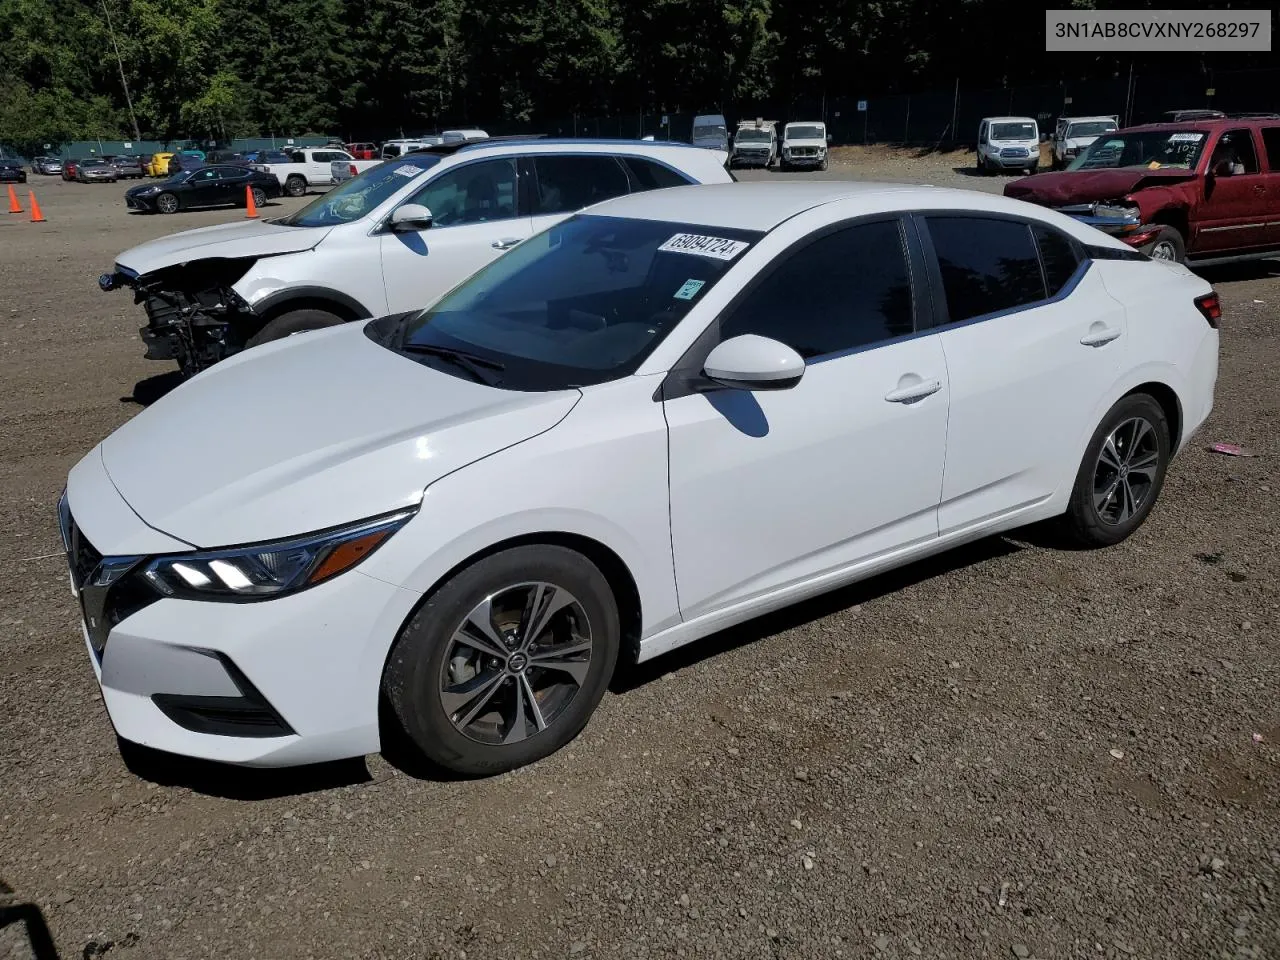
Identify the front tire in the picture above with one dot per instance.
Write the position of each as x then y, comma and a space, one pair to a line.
1168, 245
1121, 475
505, 663
168, 203
295, 321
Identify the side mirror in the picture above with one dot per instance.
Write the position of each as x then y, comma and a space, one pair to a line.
752, 362
411, 216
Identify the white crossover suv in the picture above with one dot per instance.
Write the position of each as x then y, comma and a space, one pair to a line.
662, 416
391, 239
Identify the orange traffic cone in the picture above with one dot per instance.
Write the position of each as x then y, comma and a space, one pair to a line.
250, 208
36, 215
14, 206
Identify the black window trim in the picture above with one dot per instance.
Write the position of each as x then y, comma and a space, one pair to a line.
941, 313
686, 377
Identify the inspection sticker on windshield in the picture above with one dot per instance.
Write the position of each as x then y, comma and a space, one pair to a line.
689, 289
408, 170
1184, 137
714, 247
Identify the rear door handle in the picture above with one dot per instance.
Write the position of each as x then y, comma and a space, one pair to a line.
1100, 338
506, 243
916, 391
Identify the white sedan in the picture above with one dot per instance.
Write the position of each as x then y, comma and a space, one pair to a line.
663, 416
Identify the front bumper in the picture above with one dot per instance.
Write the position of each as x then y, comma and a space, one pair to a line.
1015, 162
804, 160
753, 159
140, 203
1129, 229
275, 683
8, 176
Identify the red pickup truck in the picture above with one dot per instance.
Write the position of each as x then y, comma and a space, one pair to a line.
1206, 191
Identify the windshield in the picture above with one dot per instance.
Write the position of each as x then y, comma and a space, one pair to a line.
753, 136
1094, 128
1013, 131
1152, 149
93, 163
352, 199
580, 303
710, 130
805, 133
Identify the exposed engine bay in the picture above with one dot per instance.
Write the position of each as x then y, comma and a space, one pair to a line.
193, 314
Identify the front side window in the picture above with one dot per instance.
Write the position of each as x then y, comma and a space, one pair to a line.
1235, 147
566, 184
352, 199
849, 289
580, 303
479, 192
987, 265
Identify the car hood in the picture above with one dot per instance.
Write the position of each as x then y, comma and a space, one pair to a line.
313, 431
1086, 186
246, 238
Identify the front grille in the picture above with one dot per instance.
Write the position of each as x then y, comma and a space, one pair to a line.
804, 151
82, 556
1015, 152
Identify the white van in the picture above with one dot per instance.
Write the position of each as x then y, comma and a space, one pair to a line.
398, 148
1073, 135
1008, 143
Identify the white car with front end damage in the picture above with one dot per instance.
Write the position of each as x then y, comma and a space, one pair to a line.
804, 145
656, 419
391, 239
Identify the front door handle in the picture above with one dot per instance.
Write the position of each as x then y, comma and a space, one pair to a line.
506, 243
914, 392
1100, 338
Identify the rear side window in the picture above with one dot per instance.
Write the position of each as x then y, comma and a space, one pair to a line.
851, 288
1058, 256
648, 175
1271, 143
567, 184
987, 265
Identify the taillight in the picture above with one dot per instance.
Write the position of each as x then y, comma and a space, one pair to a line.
1210, 308
352, 169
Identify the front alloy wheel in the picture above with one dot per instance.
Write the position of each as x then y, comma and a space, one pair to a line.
505, 662
167, 203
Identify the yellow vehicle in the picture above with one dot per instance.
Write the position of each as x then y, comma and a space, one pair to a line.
159, 165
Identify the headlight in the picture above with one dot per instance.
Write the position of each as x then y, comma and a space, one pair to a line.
147, 191
1116, 211
266, 570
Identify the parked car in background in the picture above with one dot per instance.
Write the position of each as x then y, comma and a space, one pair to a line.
266, 156
397, 148
1008, 143
392, 239
805, 144
210, 186
69, 168
129, 168
1072, 135
710, 131
46, 166
96, 170
311, 167
363, 151
637, 429
1203, 191
226, 158
755, 144
159, 164
186, 161
12, 171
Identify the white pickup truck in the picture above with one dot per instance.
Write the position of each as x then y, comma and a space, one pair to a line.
311, 167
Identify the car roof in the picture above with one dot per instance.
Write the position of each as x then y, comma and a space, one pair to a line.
1203, 126
1093, 119
1008, 119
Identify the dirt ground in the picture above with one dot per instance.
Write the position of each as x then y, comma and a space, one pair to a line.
1011, 751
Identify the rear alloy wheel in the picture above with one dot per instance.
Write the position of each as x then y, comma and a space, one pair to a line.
295, 186
505, 663
1122, 473
259, 196
167, 203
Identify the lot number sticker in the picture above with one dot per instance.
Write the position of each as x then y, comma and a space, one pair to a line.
690, 289
1185, 137
715, 247
408, 170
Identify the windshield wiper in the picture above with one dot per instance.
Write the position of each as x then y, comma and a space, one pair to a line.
480, 368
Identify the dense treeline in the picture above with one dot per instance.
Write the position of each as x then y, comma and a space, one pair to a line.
370, 68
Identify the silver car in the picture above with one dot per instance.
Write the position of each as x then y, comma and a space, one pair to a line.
89, 171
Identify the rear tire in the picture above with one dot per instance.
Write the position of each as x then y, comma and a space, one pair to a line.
295, 186
259, 196
294, 321
1121, 474
484, 722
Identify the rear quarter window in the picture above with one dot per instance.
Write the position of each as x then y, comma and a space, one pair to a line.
986, 265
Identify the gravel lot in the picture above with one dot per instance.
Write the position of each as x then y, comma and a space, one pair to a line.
1011, 751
